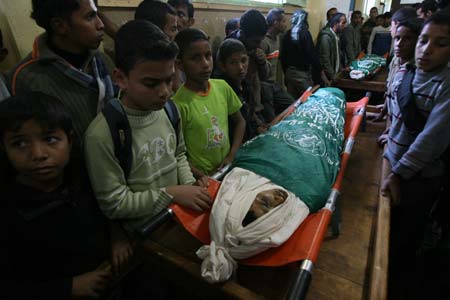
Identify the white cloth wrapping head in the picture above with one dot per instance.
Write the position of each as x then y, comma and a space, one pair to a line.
229, 239
357, 74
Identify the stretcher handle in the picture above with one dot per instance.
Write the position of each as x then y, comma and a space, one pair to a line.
368, 94
220, 174
299, 286
154, 223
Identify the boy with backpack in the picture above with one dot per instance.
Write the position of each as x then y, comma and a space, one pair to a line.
134, 184
418, 138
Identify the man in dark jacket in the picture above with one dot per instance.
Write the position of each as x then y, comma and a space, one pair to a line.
328, 46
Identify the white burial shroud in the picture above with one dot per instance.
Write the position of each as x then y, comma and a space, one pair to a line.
229, 239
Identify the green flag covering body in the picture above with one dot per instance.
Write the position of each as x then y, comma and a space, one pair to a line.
302, 152
360, 68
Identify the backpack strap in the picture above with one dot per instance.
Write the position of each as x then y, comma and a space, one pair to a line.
174, 117
406, 101
120, 132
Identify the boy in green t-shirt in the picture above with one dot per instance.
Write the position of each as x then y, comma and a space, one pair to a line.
205, 107
159, 172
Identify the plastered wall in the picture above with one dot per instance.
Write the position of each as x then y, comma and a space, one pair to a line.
212, 17
20, 30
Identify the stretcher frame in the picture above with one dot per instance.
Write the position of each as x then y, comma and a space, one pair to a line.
319, 220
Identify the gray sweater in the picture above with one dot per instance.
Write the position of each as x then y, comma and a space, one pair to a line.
412, 152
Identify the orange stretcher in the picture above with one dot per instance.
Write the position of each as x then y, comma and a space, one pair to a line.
305, 242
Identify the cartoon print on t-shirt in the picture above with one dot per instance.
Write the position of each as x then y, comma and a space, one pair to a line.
216, 136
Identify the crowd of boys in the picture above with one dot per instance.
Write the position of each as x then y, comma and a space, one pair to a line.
178, 126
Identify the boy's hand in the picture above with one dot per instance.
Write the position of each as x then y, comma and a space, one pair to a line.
121, 249
227, 160
202, 181
382, 140
260, 56
190, 196
391, 187
90, 285
262, 128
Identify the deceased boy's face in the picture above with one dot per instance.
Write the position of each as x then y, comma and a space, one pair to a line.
263, 203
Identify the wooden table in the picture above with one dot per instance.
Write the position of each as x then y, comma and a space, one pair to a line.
375, 83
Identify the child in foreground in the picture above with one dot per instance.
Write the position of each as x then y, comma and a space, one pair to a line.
160, 173
56, 237
205, 105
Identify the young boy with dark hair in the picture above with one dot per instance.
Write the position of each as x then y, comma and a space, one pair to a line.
231, 25
65, 62
277, 25
159, 13
425, 9
418, 137
185, 13
159, 172
405, 40
232, 60
55, 237
253, 28
205, 105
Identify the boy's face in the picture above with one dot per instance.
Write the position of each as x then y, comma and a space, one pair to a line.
421, 14
84, 30
373, 13
37, 154
148, 85
379, 21
433, 47
235, 66
253, 42
404, 43
356, 19
170, 28
197, 62
282, 23
184, 21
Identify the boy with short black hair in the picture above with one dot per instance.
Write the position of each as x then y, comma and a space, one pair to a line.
253, 28
426, 9
205, 105
185, 13
277, 25
231, 25
159, 13
159, 172
65, 62
55, 238
418, 136
232, 60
